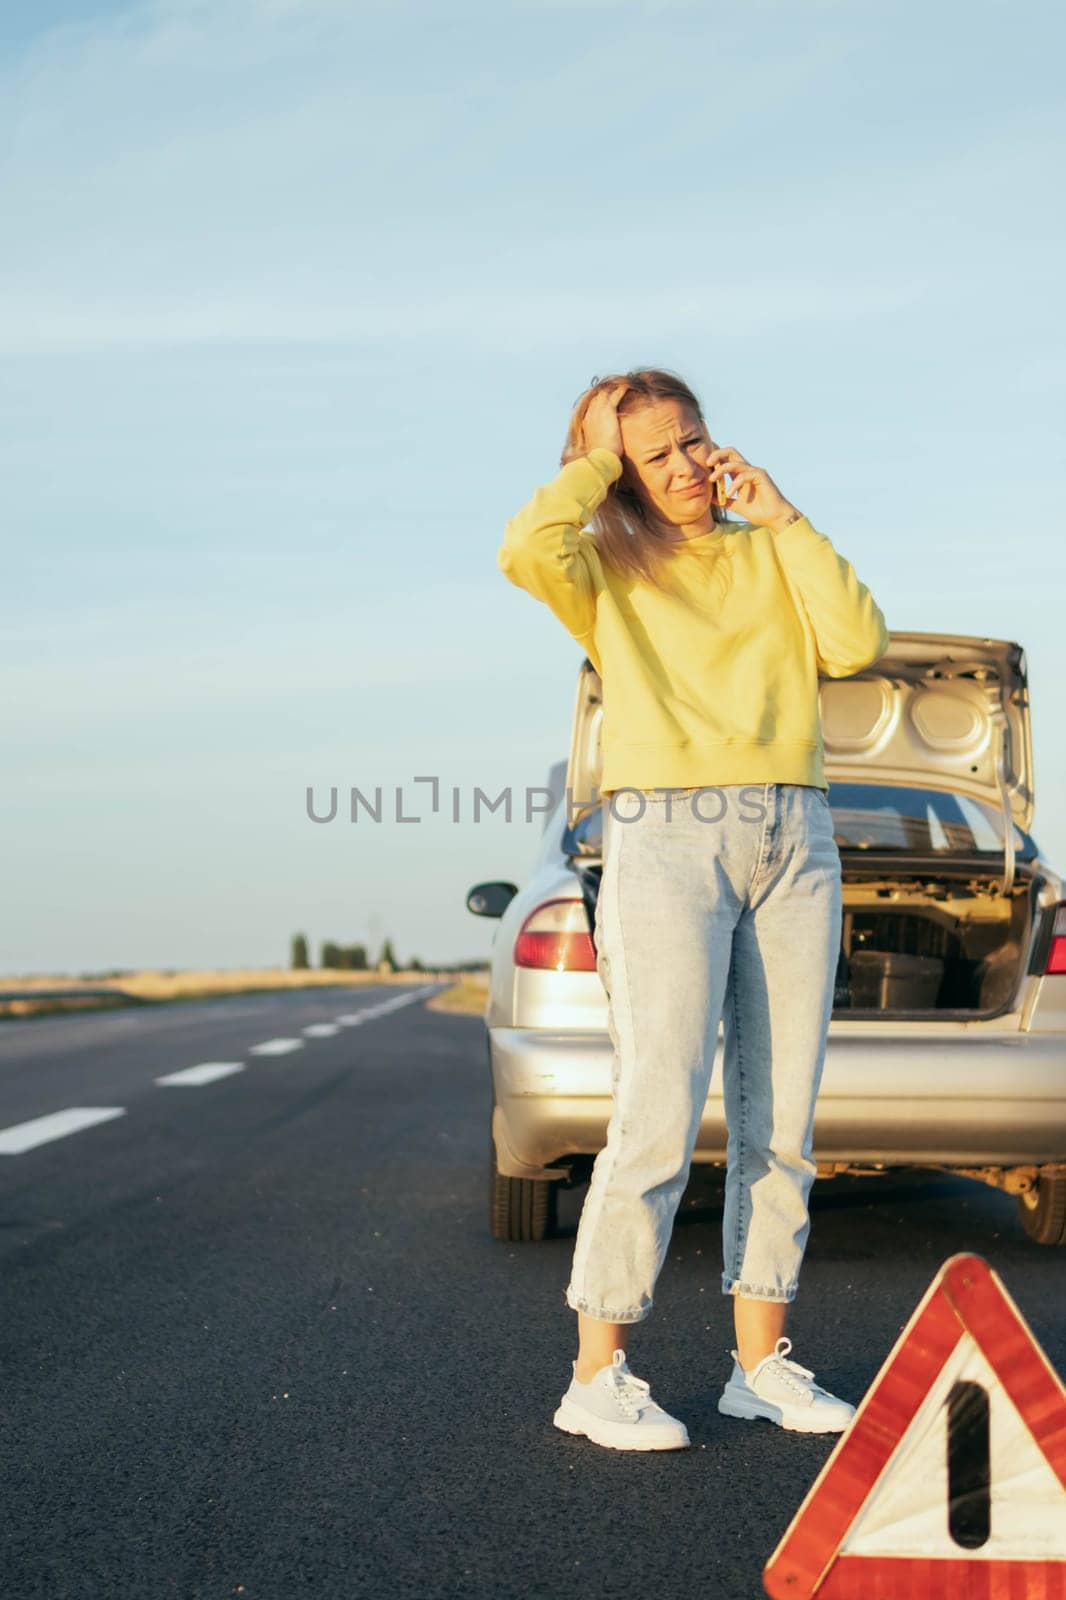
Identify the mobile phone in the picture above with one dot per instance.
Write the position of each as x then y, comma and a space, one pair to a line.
719, 483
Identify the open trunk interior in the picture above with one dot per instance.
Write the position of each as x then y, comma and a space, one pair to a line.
943, 940
921, 940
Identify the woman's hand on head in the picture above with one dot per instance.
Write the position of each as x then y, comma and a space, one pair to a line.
600, 427
751, 490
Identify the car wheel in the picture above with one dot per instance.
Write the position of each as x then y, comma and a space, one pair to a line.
1043, 1210
519, 1208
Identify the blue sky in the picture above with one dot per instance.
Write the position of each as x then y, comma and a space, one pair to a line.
295, 298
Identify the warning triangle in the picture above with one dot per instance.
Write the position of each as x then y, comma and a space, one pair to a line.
950, 1479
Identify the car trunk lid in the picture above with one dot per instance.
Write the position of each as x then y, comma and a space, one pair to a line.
937, 711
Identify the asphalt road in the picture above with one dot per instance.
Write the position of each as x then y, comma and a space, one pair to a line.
256, 1340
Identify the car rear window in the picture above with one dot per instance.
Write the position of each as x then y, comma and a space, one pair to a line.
871, 816
878, 817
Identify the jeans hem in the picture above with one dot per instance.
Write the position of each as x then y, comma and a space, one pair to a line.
754, 1291
601, 1314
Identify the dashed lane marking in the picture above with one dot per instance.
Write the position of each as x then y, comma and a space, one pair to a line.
22, 1136
206, 1072
355, 1019
56, 1125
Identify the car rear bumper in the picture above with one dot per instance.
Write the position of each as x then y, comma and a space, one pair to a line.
943, 1095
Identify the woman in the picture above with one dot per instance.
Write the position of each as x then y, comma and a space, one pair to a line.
720, 895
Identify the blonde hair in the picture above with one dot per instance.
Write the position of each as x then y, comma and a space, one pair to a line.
628, 534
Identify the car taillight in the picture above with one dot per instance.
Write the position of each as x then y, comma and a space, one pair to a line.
1056, 955
555, 937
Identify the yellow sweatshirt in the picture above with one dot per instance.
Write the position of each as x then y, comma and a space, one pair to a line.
715, 682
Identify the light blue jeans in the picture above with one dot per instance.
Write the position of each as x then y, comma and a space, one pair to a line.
715, 904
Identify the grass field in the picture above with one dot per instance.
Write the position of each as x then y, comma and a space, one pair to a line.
154, 987
468, 995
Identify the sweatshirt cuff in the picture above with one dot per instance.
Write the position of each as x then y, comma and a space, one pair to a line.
607, 464
801, 529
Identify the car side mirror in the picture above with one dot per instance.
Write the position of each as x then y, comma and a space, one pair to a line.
490, 899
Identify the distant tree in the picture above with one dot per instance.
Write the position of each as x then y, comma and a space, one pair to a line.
344, 957
299, 956
352, 957
414, 965
387, 959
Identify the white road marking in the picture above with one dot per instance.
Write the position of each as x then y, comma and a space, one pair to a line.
353, 1019
56, 1125
206, 1072
322, 1030
276, 1047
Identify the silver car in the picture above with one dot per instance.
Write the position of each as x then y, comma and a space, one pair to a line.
947, 1041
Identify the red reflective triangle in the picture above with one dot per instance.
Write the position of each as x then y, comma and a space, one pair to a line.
965, 1297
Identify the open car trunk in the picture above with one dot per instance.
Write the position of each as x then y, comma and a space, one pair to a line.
921, 941
924, 933
918, 943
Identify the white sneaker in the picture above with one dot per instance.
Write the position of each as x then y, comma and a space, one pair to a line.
616, 1409
785, 1393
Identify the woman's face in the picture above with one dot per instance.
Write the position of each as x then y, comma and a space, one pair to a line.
666, 452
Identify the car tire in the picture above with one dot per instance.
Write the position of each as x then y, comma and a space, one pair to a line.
520, 1209
1043, 1210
